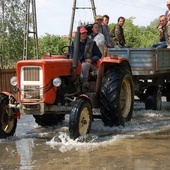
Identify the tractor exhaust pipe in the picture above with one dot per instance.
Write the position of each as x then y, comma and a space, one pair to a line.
76, 52
76, 48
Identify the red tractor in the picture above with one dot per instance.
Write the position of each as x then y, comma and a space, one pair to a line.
50, 87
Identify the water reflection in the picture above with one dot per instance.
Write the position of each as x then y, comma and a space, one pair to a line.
143, 152
25, 149
147, 151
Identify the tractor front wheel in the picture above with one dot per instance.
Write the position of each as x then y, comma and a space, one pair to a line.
8, 122
80, 118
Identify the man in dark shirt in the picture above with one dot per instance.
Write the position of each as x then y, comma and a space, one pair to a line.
117, 34
89, 53
161, 28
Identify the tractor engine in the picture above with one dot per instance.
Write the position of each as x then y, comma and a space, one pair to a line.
45, 81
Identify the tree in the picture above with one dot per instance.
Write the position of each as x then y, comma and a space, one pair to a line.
154, 23
148, 36
12, 27
139, 37
131, 33
51, 43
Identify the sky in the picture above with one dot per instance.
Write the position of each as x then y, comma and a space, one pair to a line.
54, 16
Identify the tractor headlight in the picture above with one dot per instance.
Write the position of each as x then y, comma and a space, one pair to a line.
13, 81
57, 82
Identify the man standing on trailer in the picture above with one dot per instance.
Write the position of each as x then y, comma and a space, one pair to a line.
117, 34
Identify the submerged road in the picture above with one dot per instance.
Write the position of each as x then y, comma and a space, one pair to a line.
143, 144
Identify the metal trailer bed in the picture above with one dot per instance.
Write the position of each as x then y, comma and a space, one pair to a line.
151, 73
145, 61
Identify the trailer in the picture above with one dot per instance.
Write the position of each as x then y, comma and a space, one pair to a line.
150, 71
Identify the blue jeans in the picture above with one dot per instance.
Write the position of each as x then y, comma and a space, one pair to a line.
161, 44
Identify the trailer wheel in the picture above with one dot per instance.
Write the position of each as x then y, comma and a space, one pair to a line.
116, 97
7, 124
154, 98
168, 92
141, 95
80, 118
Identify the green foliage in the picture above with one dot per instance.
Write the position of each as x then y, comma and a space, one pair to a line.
139, 37
11, 34
51, 43
131, 32
148, 36
154, 23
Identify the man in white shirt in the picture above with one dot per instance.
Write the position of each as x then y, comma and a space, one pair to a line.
98, 37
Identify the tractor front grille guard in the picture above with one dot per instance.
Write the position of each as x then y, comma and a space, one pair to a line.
31, 85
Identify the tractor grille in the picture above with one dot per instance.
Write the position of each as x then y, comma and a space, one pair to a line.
31, 73
31, 83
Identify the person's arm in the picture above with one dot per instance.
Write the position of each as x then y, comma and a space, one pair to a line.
113, 36
167, 34
118, 34
108, 39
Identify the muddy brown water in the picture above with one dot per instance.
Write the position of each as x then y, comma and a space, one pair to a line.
143, 144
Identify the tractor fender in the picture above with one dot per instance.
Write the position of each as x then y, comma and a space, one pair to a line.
12, 100
84, 96
110, 62
7, 94
113, 61
10, 96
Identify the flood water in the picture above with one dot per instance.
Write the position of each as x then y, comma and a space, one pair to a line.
143, 144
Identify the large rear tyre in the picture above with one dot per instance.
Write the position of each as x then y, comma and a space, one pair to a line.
116, 97
8, 122
154, 98
80, 118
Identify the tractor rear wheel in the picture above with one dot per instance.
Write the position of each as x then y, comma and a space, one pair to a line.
80, 118
116, 97
8, 122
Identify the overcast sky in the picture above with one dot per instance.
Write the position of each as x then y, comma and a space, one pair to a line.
54, 16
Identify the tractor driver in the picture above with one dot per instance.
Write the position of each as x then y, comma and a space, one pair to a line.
89, 54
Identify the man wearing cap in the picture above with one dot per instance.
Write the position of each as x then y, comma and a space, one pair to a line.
99, 20
102, 29
167, 13
89, 53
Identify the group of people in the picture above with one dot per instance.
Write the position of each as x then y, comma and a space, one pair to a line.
114, 38
95, 45
164, 29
